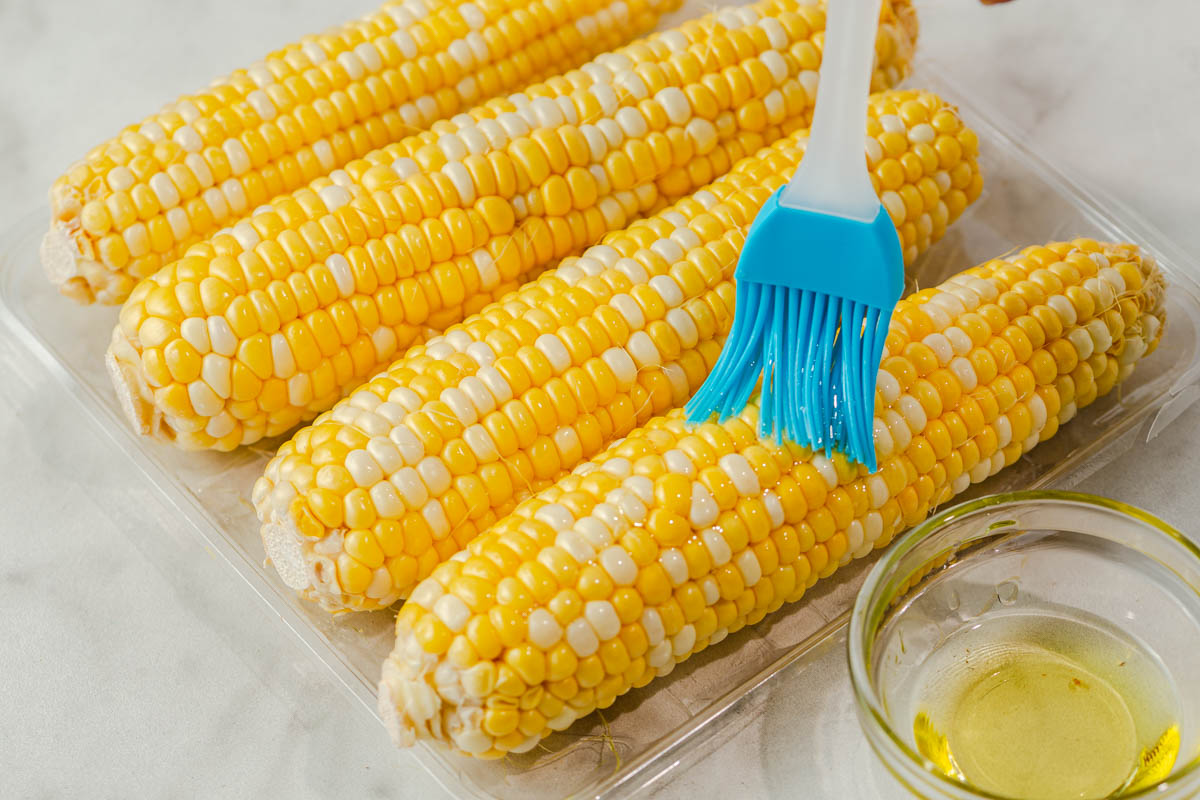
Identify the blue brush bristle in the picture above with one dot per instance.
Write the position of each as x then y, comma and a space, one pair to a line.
817, 357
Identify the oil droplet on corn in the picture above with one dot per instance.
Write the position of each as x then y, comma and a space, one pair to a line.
1044, 707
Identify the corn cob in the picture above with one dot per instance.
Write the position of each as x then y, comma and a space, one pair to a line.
137, 201
404, 472
680, 535
291, 309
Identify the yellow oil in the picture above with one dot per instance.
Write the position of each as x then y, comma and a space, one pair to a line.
1043, 707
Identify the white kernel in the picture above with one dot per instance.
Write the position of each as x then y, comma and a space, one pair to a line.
216, 203
215, 370
913, 413
435, 518
165, 190
460, 405
405, 43
922, 133
823, 465
888, 387
221, 336
877, 489
718, 548
152, 131
495, 383
634, 271
959, 340
1037, 409
704, 509
385, 453
1082, 341
204, 401
940, 345
435, 475
642, 350
660, 658
603, 618
221, 425
965, 372
895, 206
675, 565
1100, 335
195, 332
239, 159
937, 315
481, 444
684, 641
334, 196
1064, 308
672, 253
641, 486
582, 637
575, 545
363, 468
352, 64
774, 508
596, 533
610, 517
1003, 430
544, 630
678, 462
710, 589
462, 181
884, 446
667, 288
452, 612
426, 594
481, 354
556, 516
747, 564
555, 352
898, 428
323, 150
386, 500
874, 151
410, 486
628, 503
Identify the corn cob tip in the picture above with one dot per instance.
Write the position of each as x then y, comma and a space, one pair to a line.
285, 552
61, 261
131, 388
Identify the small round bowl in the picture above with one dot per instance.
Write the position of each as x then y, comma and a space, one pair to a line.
1025, 553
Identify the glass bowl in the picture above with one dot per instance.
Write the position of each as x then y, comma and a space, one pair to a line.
1024, 573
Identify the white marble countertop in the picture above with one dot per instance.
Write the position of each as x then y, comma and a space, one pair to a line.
135, 664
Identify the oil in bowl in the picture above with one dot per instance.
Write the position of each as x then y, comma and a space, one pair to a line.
1033, 646
1046, 706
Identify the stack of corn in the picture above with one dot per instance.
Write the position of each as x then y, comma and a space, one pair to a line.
272, 322
411, 466
138, 200
679, 535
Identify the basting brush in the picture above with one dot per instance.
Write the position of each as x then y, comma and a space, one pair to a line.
819, 275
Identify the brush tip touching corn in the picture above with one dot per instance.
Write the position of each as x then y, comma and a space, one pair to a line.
407, 469
679, 535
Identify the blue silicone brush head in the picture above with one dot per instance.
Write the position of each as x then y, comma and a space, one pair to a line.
815, 294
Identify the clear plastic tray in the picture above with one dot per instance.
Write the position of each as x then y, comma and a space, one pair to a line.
649, 732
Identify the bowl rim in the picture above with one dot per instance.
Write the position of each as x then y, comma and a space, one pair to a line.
867, 699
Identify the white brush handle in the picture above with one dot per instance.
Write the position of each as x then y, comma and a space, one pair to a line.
833, 177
